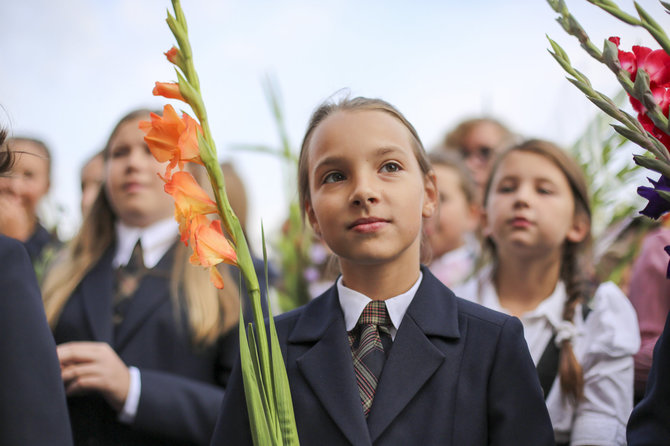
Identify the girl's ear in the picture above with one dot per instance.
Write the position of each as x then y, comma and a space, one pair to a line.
429, 195
580, 228
312, 218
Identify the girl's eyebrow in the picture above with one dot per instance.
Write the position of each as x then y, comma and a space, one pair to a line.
336, 160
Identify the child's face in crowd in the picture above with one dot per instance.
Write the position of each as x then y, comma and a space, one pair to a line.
456, 217
530, 207
134, 189
480, 147
367, 191
29, 178
91, 180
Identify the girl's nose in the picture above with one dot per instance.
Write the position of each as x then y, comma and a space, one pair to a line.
522, 195
364, 193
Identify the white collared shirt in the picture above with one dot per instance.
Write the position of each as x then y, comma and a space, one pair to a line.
353, 303
604, 346
156, 241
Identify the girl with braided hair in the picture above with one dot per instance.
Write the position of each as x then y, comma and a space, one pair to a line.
581, 335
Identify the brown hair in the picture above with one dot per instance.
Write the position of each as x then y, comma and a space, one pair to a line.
211, 312
575, 261
454, 161
330, 107
6, 158
456, 137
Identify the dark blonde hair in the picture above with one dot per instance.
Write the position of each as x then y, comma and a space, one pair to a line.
348, 104
210, 312
456, 137
576, 268
454, 161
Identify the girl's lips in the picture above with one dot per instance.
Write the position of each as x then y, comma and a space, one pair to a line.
367, 225
132, 187
520, 222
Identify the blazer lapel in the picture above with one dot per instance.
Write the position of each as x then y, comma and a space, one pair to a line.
414, 358
327, 365
96, 289
153, 290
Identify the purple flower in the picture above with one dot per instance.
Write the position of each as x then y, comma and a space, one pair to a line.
657, 205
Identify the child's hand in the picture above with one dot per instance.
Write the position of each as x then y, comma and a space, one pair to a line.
94, 367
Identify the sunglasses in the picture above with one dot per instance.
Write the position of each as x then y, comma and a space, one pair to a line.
482, 153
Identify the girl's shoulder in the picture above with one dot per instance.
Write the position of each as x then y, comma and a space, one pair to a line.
610, 325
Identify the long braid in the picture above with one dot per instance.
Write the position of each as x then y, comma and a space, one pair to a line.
569, 370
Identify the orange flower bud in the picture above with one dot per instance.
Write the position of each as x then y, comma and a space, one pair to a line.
173, 55
168, 90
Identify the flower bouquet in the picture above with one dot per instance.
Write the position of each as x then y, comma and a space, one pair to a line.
644, 75
183, 139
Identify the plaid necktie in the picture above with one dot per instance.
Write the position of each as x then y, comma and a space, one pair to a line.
128, 278
367, 349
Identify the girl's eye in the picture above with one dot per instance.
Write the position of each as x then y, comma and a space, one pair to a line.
391, 167
118, 152
333, 177
505, 188
544, 190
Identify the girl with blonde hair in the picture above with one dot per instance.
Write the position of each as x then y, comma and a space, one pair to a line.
144, 340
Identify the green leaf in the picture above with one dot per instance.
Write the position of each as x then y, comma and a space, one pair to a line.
260, 431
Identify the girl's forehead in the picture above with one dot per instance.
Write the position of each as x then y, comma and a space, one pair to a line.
360, 128
529, 164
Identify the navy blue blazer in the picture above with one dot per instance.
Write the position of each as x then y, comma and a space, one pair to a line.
649, 424
457, 374
182, 385
32, 397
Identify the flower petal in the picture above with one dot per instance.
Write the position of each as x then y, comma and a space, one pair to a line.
657, 205
211, 245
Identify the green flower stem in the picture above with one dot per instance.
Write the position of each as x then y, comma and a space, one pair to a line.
190, 86
265, 381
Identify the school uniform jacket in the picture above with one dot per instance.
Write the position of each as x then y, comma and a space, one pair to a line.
32, 398
649, 424
181, 385
457, 374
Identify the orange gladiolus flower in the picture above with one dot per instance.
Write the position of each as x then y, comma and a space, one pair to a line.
171, 138
168, 90
210, 247
190, 200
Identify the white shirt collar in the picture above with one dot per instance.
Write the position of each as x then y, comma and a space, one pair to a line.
353, 303
550, 308
156, 240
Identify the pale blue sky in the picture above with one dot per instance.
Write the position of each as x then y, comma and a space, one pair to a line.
71, 69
